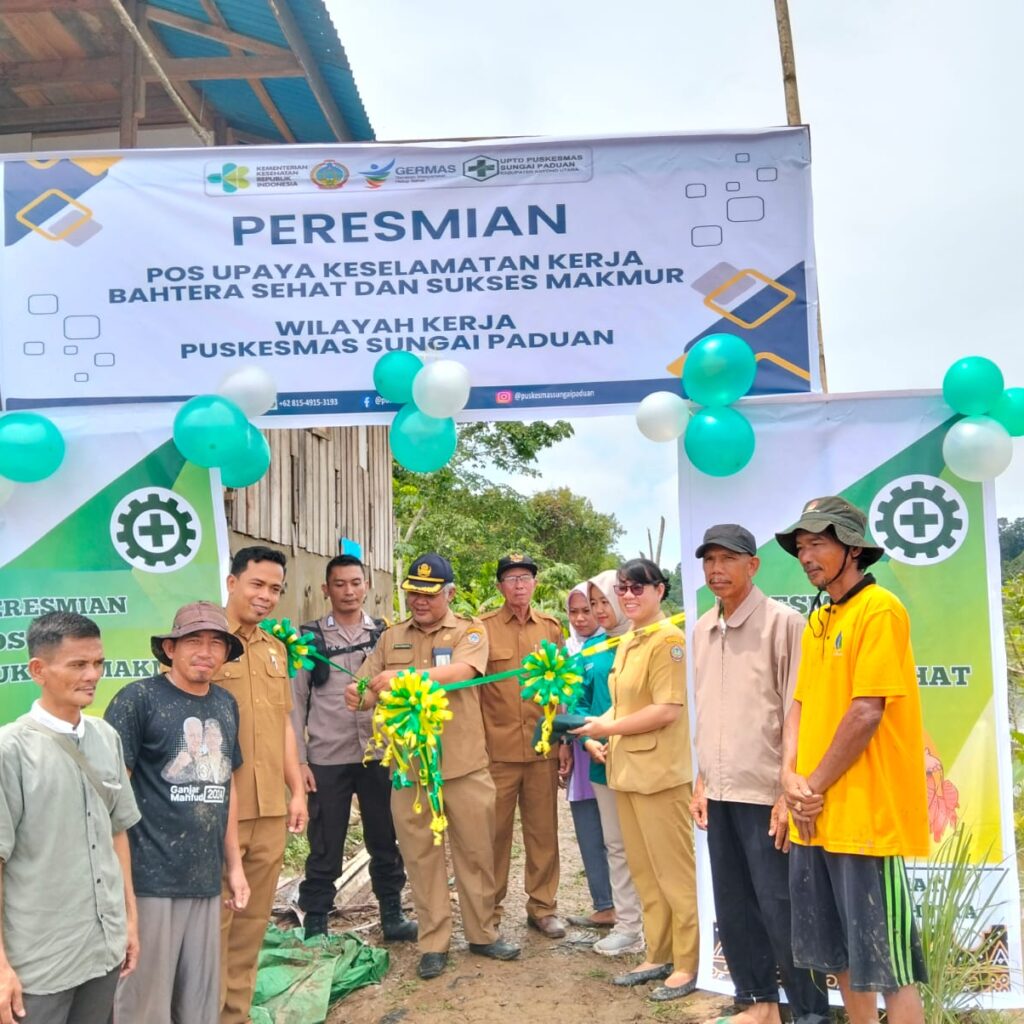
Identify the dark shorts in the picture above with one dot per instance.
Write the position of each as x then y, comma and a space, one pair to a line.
854, 913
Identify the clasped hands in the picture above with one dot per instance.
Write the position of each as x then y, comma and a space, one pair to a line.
803, 803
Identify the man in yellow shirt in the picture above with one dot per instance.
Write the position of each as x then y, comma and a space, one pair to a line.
853, 773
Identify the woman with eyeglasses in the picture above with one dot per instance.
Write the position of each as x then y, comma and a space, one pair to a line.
649, 768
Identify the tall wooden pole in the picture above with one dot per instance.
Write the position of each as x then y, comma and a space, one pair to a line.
793, 117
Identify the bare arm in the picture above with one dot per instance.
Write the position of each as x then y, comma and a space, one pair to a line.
233, 857
131, 952
801, 801
648, 719
297, 813
11, 1005
852, 736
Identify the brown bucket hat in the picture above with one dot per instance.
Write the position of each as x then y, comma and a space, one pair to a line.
849, 523
194, 618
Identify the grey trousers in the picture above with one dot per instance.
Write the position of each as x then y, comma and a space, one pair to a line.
178, 977
88, 1003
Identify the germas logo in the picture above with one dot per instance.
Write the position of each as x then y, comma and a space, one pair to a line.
378, 174
231, 178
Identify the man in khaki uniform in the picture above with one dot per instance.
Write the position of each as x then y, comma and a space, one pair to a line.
521, 775
266, 813
451, 649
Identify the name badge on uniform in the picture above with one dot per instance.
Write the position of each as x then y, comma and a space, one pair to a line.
402, 647
442, 656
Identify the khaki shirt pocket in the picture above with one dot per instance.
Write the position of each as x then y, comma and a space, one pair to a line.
638, 742
501, 658
277, 682
398, 658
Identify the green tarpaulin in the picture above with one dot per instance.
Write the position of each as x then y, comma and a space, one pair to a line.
297, 981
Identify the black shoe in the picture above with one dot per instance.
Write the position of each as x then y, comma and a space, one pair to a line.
665, 993
431, 965
314, 924
642, 977
395, 925
499, 949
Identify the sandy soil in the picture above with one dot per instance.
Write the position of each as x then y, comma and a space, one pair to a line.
562, 981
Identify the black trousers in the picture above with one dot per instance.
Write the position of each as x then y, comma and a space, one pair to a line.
329, 810
750, 879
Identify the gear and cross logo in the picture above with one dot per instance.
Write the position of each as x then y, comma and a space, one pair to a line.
155, 530
919, 519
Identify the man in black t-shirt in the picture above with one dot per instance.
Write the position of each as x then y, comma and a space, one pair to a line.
180, 737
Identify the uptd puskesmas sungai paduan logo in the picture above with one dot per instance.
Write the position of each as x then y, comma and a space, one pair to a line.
155, 530
919, 519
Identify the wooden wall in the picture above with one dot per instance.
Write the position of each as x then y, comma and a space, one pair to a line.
323, 484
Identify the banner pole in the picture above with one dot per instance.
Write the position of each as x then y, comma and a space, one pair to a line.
789, 86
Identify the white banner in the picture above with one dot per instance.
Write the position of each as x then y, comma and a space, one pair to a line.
564, 273
884, 454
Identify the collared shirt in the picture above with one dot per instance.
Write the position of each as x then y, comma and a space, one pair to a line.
63, 891
745, 670
326, 731
510, 721
650, 669
43, 717
259, 683
452, 641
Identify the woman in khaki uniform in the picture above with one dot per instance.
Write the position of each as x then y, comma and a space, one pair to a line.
650, 770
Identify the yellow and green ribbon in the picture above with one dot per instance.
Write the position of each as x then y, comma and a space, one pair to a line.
553, 677
407, 724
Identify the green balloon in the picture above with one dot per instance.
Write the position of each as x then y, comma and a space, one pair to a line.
31, 447
393, 375
422, 443
1009, 411
248, 465
210, 430
719, 442
973, 385
718, 370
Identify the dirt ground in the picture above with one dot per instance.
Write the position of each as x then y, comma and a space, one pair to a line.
562, 981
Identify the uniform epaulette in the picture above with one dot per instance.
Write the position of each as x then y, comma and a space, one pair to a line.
490, 614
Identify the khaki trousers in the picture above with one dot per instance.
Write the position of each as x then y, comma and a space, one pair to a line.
262, 841
624, 895
469, 807
658, 833
533, 785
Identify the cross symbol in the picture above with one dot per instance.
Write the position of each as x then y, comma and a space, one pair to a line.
918, 519
481, 168
156, 530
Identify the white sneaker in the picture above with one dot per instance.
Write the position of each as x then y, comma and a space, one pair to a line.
617, 943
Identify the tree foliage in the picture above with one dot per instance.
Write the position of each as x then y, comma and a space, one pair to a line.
464, 515
1011, 545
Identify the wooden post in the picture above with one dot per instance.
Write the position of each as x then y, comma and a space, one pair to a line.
130, 85
789, 86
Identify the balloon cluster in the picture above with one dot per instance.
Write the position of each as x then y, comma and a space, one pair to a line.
31, 449
719, 440
423, 436
214, 430
980, 446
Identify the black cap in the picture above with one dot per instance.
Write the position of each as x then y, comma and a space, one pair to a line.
516, 560
728, 535
428, 574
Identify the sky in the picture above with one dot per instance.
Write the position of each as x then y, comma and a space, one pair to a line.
916, 164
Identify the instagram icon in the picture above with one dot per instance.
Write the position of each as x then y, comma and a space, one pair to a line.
503, 397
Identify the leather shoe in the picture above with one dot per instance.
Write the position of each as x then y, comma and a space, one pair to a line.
642, 977
550, 926
663, 993
499, 949
431, 965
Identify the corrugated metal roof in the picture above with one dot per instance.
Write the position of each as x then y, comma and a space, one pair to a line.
235, 100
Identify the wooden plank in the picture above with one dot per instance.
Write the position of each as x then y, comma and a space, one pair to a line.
43, 36
192, 98
198, 69
85, 115
286, 19
131, 85
211, 30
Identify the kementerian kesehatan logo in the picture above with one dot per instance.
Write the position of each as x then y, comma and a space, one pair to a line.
329, 174
155, 530
919, 519
378, 174
230, 177
480, 168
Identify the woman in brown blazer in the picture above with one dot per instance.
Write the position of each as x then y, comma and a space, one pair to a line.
649, 767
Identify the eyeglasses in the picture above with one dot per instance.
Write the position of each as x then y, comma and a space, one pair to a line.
636, 589
524, 578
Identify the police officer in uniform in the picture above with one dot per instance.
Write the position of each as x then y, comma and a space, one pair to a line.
521, 775
451, 649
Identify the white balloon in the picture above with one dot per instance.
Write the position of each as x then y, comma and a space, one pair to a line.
7, 488
441, 389
252, 389
977, 448
662, 416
